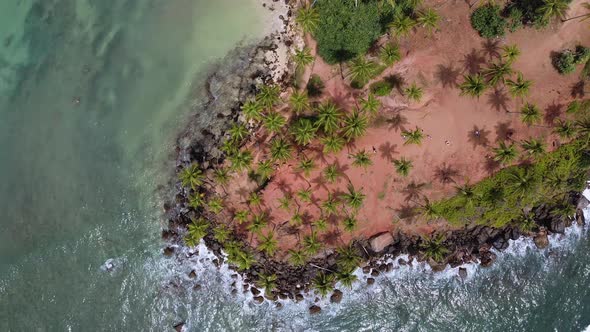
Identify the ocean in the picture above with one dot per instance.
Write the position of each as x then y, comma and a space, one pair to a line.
92, 97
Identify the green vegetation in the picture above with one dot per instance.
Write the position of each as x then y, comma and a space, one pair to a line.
403, 166
414, 92
196, 231
567, 60
390, 54
433, 248
315, 86
488, 21
381, 88
362, 159
361, 70
474, 85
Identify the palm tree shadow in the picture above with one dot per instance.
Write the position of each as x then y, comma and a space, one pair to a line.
243, 193
413, 191
387, 150
406, 211
445, 174
331, 237
284, 188
478, 137
491, 166
320, 182
491, 48
341, 169
448, 75
579, 89
397, 122
552, 112
503, 131
473, 62
499, 99
397, 81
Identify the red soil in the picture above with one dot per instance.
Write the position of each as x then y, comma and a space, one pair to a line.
436, 62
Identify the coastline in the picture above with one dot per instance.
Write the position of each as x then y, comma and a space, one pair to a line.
470, 245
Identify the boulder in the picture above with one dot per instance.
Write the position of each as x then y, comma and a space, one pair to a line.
298, 298
255, 291
380, 241
192, 274
197, 287
168, 251
375, 273
557, 225
366, 269
258, 299
500, 243
314, 309
402, 262
179, 327
541, 239
436, 266
278, 305
370, 281
580, 220
336, 296
462, 273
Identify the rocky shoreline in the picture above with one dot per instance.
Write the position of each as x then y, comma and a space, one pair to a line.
231, 83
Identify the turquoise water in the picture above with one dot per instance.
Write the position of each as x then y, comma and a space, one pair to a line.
80, 186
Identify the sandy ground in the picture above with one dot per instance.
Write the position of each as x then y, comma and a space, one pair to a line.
437, 62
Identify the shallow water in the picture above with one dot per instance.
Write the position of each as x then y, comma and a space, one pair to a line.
79, 188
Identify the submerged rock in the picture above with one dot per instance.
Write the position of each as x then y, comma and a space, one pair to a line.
192, 274
179, 327
370, 281
336, 296
463, 273
541, 239
314, 309
168, 251
258, 299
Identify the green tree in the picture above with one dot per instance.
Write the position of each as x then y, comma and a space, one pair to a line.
354, 198
350, 223
197, 200
330, 205
304, 195
285, 202
402, 25
268, 96
348, 258
268, 244
361, 70
192, 176
241, 216
530, 114
221, 233
254, 199
429, 210
498, 72
303, 131
265, 169
347, 278
533, 147
299, 102
321, 224
488, 21
403, 166
362, 159
428, 19
323, 283
565, 129
297, 257
238, 132
414, 92
355, 125
222, 176
196, 231
510, 53
306, 166
328, 117
390, 54
333, 144
259, 221
308, 19
273, 122
215, 205
371, 104
296, 219
303, 57
520, 87
252, 109
241, 160
331, 173
267, 281
413, 137
553, 9
280, 149
504, 153
520, 181
311, 244
433, 248
473, 85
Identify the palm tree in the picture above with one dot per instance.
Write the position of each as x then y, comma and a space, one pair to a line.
428, 19
296, 219
573, 107
268, 96
264, 169
330, 205
221, 175
268, 244
520, 87
267, 281
243, 259
238, 132
241, 160
308, 18
362, 159
323, 283
361, 70
354, 198
285, 202
229, 146
355, 125
402, 25
297, 257
303, 57
252, 109
299, 102
414, 92
258, 223
520, 181
348, 259
196, 231
433, 248
413, 137
497, 73
280, 149
429, 210
390, 54
221, 233
583, 128
254, 199
553, 9
311, 244
306, 166
192, 176
333, 144
371, 104
510, 53
328, 117
505, 154
215, 205
347, 278
565, 129
530, 114
473, 85
403, 166
241, 216
331, 173
466, 193
303, 131
321, 224
274, 122
304, 195
533, 147
350, 223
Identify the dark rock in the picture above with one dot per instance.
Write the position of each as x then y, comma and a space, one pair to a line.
541, 239
463, 273
382, 267
192, 274
255, 291
234, 291
283, 296
370, 281
487, 258
168, 251
179, 327
580, 220
278, 305
258, 299
375, 273
436, 266
515, 234
197, 287
402, 262
314, 309
336, 296
557, 225
389, 267
298, 298
271, 296
500, 243
366, 269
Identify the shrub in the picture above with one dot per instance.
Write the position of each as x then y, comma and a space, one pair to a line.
381, 88
582, 54
345, 30
529, 11
565, 62
488, 21
315, 86
514, 19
